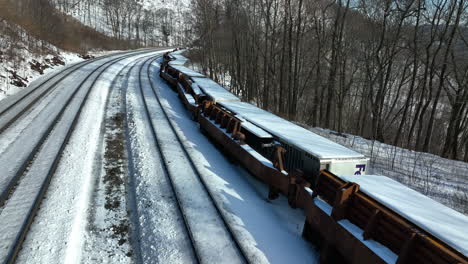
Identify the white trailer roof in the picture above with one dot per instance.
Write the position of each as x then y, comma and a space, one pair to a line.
196, 89
178, 52
214, 90
291, 133
255, 129
178, 59
441, 221
187, 71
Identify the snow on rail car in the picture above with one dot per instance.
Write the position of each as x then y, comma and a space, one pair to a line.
304, 149
187, 72
379, 220
216, 92
441, 221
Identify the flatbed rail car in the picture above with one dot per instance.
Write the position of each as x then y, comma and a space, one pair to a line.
241, 139
380, 221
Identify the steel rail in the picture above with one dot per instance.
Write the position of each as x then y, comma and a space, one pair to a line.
164, 163
191, 162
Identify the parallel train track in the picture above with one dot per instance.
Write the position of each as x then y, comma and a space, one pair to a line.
25, 188
13, 109
182, 204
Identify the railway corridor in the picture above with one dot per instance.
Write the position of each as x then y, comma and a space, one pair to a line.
101, 163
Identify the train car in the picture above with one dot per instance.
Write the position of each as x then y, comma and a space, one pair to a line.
263, 130
379, 220
305, 150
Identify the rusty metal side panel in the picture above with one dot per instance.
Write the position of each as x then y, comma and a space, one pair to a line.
190, 107
169, 79
333, 235
264, 173
409, 242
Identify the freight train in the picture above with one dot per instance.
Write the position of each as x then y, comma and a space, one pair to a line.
352, 218
262, 130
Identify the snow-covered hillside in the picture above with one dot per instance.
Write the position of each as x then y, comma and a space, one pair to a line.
441, 179
148, 22
24, 58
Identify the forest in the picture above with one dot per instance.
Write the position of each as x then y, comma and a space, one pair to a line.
395, 71
84, 25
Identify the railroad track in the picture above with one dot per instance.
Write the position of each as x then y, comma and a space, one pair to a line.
23, 187
14, 108
212, 239
28, 149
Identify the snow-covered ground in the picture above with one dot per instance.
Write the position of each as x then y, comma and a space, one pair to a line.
442, 179
19, 51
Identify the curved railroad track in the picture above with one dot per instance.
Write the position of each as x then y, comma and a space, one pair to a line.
24, 186
185, 177
12, 109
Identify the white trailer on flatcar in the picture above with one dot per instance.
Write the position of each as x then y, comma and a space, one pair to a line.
304, 149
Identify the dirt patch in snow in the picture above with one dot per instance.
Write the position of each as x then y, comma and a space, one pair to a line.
17, 80
114, 155
86, 56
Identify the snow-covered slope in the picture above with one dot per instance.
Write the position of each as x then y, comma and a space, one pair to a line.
152, 22
24, 58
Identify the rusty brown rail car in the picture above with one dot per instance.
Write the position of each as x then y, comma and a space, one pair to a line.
343, 200
409, 242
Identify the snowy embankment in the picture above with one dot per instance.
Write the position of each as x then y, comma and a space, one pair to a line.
441, 179
24, 59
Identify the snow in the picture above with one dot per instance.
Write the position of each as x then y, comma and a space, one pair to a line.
196, 89
198, 210
63, 215
178, 59
187, 96
161, 233
109, 206
324, 206
382, 251
187, 71
18, 206
93, 14
20, 47
214, 90
266, 229
258, 156
291, 133
441, 221
18, 141
255, 129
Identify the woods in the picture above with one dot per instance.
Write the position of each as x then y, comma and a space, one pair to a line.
391, 70
81, 25
132, 20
